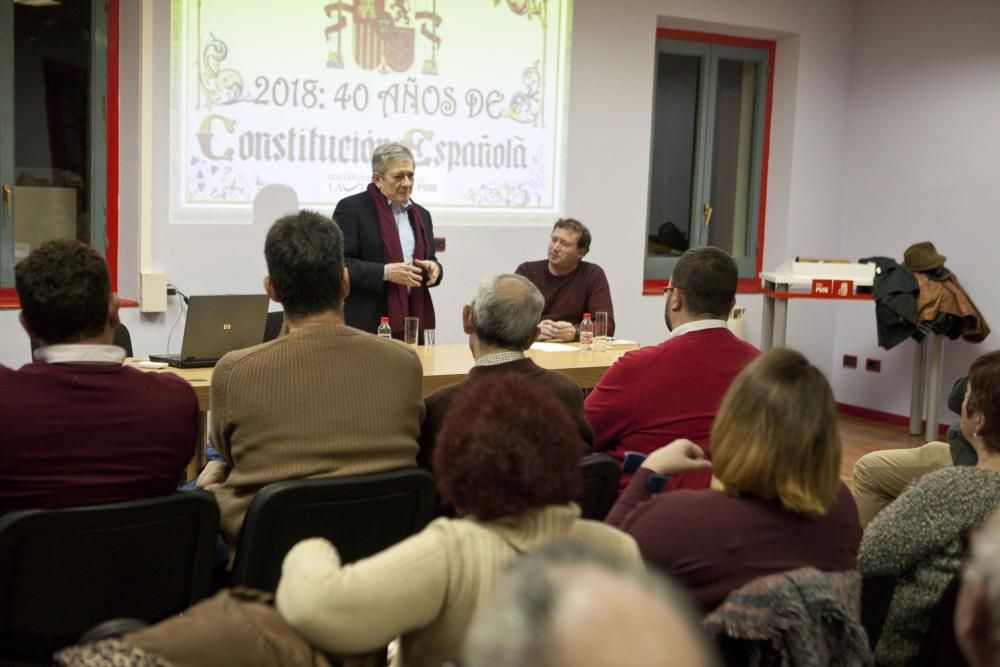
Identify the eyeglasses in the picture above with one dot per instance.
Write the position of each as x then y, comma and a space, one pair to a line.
669, 288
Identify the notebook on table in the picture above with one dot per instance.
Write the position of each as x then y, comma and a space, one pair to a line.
218, 324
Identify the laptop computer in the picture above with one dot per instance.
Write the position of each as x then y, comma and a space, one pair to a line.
218, 324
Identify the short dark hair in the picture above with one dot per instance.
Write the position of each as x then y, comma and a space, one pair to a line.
577, 227
984, 396
305, 261
64, 290
507, 446
708, 276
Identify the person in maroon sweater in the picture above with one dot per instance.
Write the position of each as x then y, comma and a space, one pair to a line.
501, 323
776, 502
658, 394
570, 286
76, 426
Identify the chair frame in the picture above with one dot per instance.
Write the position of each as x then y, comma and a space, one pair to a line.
77, 567
261, 549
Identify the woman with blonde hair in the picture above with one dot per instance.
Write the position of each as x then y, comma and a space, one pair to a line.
776, 502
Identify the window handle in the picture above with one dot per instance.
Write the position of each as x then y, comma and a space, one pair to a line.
707, 210
8, 197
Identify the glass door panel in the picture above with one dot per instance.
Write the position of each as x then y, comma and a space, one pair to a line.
732, 156
47, 142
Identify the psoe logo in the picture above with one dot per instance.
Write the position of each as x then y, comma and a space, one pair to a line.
383, 38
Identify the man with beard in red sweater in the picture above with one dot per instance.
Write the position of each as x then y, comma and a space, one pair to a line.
652, 396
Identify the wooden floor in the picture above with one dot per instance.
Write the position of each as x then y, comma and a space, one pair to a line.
859, 436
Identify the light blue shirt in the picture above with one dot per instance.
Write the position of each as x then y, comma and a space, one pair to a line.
407, 242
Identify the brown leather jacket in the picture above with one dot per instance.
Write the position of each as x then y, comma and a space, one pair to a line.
947, 296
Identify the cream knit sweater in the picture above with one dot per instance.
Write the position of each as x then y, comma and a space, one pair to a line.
426, 588
322, 401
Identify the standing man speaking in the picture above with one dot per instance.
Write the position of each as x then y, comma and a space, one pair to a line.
388, 247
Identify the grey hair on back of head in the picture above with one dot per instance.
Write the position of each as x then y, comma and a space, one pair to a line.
506, 311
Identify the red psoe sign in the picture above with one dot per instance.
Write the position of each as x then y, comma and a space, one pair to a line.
822, 287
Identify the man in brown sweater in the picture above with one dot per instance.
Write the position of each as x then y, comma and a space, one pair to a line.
502, 323
323, 400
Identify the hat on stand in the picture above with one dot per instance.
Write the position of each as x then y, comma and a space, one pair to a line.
923, 256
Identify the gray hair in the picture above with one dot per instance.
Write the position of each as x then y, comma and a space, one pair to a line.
386, 153
506, 311
517, 624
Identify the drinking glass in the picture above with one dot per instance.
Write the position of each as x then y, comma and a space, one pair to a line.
428, 336
411, 330
600, 331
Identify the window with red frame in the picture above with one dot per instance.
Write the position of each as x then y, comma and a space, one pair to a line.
708, 154
58, 129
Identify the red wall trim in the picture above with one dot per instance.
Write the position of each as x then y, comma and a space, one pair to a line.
655, 287
111, 207
714, 38
886, 417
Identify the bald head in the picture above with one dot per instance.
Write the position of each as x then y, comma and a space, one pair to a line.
550, 610
506, 311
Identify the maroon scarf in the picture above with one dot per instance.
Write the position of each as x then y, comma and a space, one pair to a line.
399, 304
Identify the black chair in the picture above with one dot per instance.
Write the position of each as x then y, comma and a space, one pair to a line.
939, 647
122, 339
600, 485
876, 596
275, 320
64, 571
361, 515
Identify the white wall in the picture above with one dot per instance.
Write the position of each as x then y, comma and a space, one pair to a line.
923, 162
611, 92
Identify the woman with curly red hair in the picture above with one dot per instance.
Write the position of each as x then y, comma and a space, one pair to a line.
507, 459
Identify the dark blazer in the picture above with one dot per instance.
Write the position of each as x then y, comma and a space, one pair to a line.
365, 259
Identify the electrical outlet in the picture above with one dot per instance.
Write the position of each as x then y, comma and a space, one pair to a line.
873, 365
850, 361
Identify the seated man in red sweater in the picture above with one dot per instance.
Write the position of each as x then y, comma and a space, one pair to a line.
76, 426
655, 395
571, 287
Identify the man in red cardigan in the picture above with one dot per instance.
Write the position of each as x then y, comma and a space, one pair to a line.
657, 394
77, 427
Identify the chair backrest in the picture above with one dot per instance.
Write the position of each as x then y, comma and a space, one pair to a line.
275, 320
876, 595
600, 485
64, 571
939, 647
122, 339
361, 515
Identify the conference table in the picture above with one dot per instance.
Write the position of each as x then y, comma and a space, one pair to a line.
443, 365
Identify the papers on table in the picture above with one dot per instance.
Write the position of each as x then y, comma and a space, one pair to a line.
570, 347
554, 347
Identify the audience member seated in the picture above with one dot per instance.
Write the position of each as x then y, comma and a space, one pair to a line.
323, 400
776, 502
672, 390
551, 606
508, 459
920, 537
501, 323
571, 287
880, 476
977, 613
76, 426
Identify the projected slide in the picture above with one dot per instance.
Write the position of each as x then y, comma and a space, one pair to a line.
300, 92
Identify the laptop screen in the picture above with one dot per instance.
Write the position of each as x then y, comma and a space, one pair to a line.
221, 323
